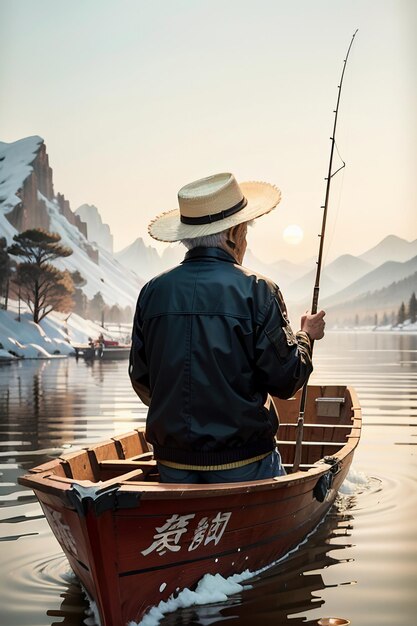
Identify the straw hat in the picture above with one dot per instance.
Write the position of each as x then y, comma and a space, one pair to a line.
213, 204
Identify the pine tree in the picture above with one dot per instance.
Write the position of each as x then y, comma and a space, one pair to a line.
38, 246
127, 314
114, 314
5, 270
412, 308
401, 314
43, 286
96, 307
79, 297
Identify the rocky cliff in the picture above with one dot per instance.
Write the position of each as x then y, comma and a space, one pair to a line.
27, 188
28, 207
97, 231
28, 200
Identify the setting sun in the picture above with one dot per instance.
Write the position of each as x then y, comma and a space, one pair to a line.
293, 234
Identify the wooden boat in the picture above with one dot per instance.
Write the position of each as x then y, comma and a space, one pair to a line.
133, 541
102, 351
116, 352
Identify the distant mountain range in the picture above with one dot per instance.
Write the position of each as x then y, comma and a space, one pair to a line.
380, 302
345, 280
391, 248
341, 272
145, 260
380, 278
383, 276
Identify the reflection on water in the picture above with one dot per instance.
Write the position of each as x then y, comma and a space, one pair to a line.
361, 562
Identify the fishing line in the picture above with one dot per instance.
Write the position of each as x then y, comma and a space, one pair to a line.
316, 290
332, 234
346, 144
339, 200
340, 157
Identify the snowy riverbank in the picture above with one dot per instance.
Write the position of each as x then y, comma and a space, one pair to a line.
406, 327
54, 337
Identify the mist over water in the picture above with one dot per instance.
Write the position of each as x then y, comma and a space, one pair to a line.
361, 564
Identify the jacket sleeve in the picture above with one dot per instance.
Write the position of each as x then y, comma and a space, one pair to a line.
283, 359
138, 366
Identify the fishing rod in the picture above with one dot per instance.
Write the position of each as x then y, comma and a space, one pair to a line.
316, 290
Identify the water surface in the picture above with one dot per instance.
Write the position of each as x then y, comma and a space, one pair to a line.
361, 564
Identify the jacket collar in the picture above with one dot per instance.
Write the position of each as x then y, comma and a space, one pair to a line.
209, 253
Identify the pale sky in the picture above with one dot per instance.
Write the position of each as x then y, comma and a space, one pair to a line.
136, 98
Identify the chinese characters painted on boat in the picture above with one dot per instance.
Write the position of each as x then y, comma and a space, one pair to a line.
168, 536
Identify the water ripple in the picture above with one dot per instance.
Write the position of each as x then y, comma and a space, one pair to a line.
361, 562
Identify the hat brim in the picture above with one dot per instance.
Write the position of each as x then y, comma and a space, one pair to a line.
261, 197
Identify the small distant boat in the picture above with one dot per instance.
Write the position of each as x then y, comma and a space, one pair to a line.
133, 541
118, 351
105, 351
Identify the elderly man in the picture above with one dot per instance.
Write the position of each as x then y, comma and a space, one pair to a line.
211, 341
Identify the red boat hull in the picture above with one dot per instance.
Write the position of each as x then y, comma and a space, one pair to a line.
134, 542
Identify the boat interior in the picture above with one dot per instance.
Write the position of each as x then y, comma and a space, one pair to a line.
332, 419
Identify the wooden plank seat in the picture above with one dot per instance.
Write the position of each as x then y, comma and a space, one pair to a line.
312, 451
145, 456
303, 466
315, 425
119, 467
309, 444
316, 432
132, 475
127, 463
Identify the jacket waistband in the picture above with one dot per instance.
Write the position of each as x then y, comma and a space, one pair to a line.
211, 468
203, 458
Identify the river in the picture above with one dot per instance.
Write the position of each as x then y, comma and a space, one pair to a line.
361, 564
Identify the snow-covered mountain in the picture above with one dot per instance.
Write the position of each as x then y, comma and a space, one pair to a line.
380, 301
145, 260
142, 259
379, 291
391, 248
343, 271
345, 278
379, 278
283, 272
97, 231
27, 200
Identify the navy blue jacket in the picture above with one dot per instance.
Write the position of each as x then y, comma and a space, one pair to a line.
210, 341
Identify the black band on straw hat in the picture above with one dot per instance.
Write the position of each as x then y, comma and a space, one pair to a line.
214, 217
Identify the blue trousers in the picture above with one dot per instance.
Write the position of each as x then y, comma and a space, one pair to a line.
268, 467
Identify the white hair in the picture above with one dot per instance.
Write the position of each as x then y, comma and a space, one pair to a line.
218, 240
